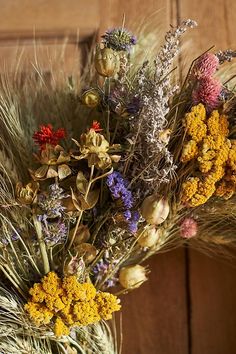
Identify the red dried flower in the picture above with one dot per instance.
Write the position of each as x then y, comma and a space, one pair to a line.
207, 93
96, 126
46, 135
205, 66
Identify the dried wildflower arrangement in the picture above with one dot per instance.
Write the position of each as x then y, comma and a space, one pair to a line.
98, 176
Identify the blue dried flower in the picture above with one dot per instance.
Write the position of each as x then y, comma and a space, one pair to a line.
118, 188
133, 222
119, 39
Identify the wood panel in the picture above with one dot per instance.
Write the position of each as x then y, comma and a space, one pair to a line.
21, 16
213, 307
212, 281
155, 315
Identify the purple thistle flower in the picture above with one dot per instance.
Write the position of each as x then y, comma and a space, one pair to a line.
119, 39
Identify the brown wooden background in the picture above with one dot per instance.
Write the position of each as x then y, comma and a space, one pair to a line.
189, 304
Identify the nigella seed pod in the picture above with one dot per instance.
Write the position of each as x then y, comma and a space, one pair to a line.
82, 235
132, 276
155, 210
91, 98
148, 237
107, 61
87, 252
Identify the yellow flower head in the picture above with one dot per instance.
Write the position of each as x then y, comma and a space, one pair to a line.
194, 123
69, 303
212, 151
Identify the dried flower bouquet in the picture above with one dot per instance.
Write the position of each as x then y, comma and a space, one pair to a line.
97, 177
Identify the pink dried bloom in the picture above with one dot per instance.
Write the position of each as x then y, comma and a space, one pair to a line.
188, 228
205, 66
207, 93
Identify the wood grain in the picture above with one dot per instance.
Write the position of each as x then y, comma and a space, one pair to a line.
155, 315
213, 307
48, 15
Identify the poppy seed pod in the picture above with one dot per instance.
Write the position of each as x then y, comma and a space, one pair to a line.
132, 276
154, 210
148, 237
107, 61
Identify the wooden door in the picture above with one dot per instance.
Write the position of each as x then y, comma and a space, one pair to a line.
188, 305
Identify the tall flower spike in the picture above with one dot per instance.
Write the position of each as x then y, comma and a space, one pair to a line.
46, 135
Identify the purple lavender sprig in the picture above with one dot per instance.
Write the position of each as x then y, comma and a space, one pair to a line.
118, 187
51, 204
55, 232
52, 218
119, 39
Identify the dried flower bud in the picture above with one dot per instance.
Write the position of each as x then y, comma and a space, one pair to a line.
205, 66
148, 237
82, 235
107, 61
91, 98
86, 251
155, 211
74, 266
27, 194
132, 276
188, 228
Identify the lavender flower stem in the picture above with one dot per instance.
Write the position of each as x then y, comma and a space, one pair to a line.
42, 244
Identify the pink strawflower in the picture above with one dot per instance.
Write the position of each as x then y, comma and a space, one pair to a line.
205, 66
207, 92
188, 228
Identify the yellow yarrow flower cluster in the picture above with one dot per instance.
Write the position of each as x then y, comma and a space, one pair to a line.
68, 303
227, 186
207, 144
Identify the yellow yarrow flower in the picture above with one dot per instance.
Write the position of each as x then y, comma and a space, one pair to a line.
190, 151
213, 152
194, 123
70, 303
